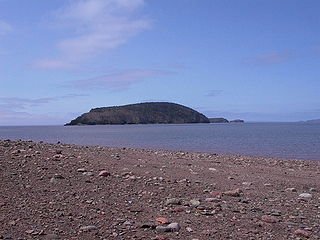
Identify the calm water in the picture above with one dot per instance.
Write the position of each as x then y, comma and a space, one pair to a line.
283, 140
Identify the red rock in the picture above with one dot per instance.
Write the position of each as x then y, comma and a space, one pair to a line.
302, 233
216, 193
269, 219
104, 173
201, 207
178, 209
162, 220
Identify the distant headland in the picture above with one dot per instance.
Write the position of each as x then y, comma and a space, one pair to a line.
313, 121
141, 113
223, 120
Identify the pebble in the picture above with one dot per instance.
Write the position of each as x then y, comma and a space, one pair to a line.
291, 190
194, 203
172, 227
212, 200
216, 193
189, 229
247, 183
58, 176
88, 173
127, 223
305, 195
269, 219
82, 170
162, 220
268, 185
104, 173
173, 201
233, 193
175, 227
302, 233
88, 228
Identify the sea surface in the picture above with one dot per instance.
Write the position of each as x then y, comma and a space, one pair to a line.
280, 140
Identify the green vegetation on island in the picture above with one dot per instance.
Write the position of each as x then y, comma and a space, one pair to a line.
141, 113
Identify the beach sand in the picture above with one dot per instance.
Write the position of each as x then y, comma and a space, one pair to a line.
54, 191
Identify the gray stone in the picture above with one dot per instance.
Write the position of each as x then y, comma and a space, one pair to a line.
173, 201
247, 183
88, 228
194, 203
305, 195
172, 227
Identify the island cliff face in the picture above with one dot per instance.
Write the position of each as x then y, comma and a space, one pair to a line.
141, 113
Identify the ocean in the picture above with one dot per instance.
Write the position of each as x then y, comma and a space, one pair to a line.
279, 140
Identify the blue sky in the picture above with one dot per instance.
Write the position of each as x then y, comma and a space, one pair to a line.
257, 60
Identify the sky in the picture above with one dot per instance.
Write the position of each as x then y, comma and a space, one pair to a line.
257, 60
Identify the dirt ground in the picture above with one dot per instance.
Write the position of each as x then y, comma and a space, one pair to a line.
60, 191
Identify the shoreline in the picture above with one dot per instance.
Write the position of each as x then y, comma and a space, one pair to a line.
54, 191
232, 155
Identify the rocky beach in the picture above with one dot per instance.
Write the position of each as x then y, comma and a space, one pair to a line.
62, 191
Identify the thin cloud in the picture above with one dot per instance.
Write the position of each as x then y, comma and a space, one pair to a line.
5, 28
15, 103
118, 80
214, 93
20, 118
270, 58
97, 26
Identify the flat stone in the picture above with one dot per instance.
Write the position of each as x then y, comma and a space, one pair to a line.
247, 183
173, 201
212, 200
194, 203
104, 173
88, 228
162, 220
302, 233
172, 227
162, 229
305, 195
58, 176
88, 173
233, 193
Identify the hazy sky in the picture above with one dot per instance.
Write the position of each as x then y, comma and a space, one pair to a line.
258, 60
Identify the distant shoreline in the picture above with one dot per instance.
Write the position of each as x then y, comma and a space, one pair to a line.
278, 140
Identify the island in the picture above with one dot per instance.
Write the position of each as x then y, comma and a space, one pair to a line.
218, 120
141, 113
313, 121
237, 121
